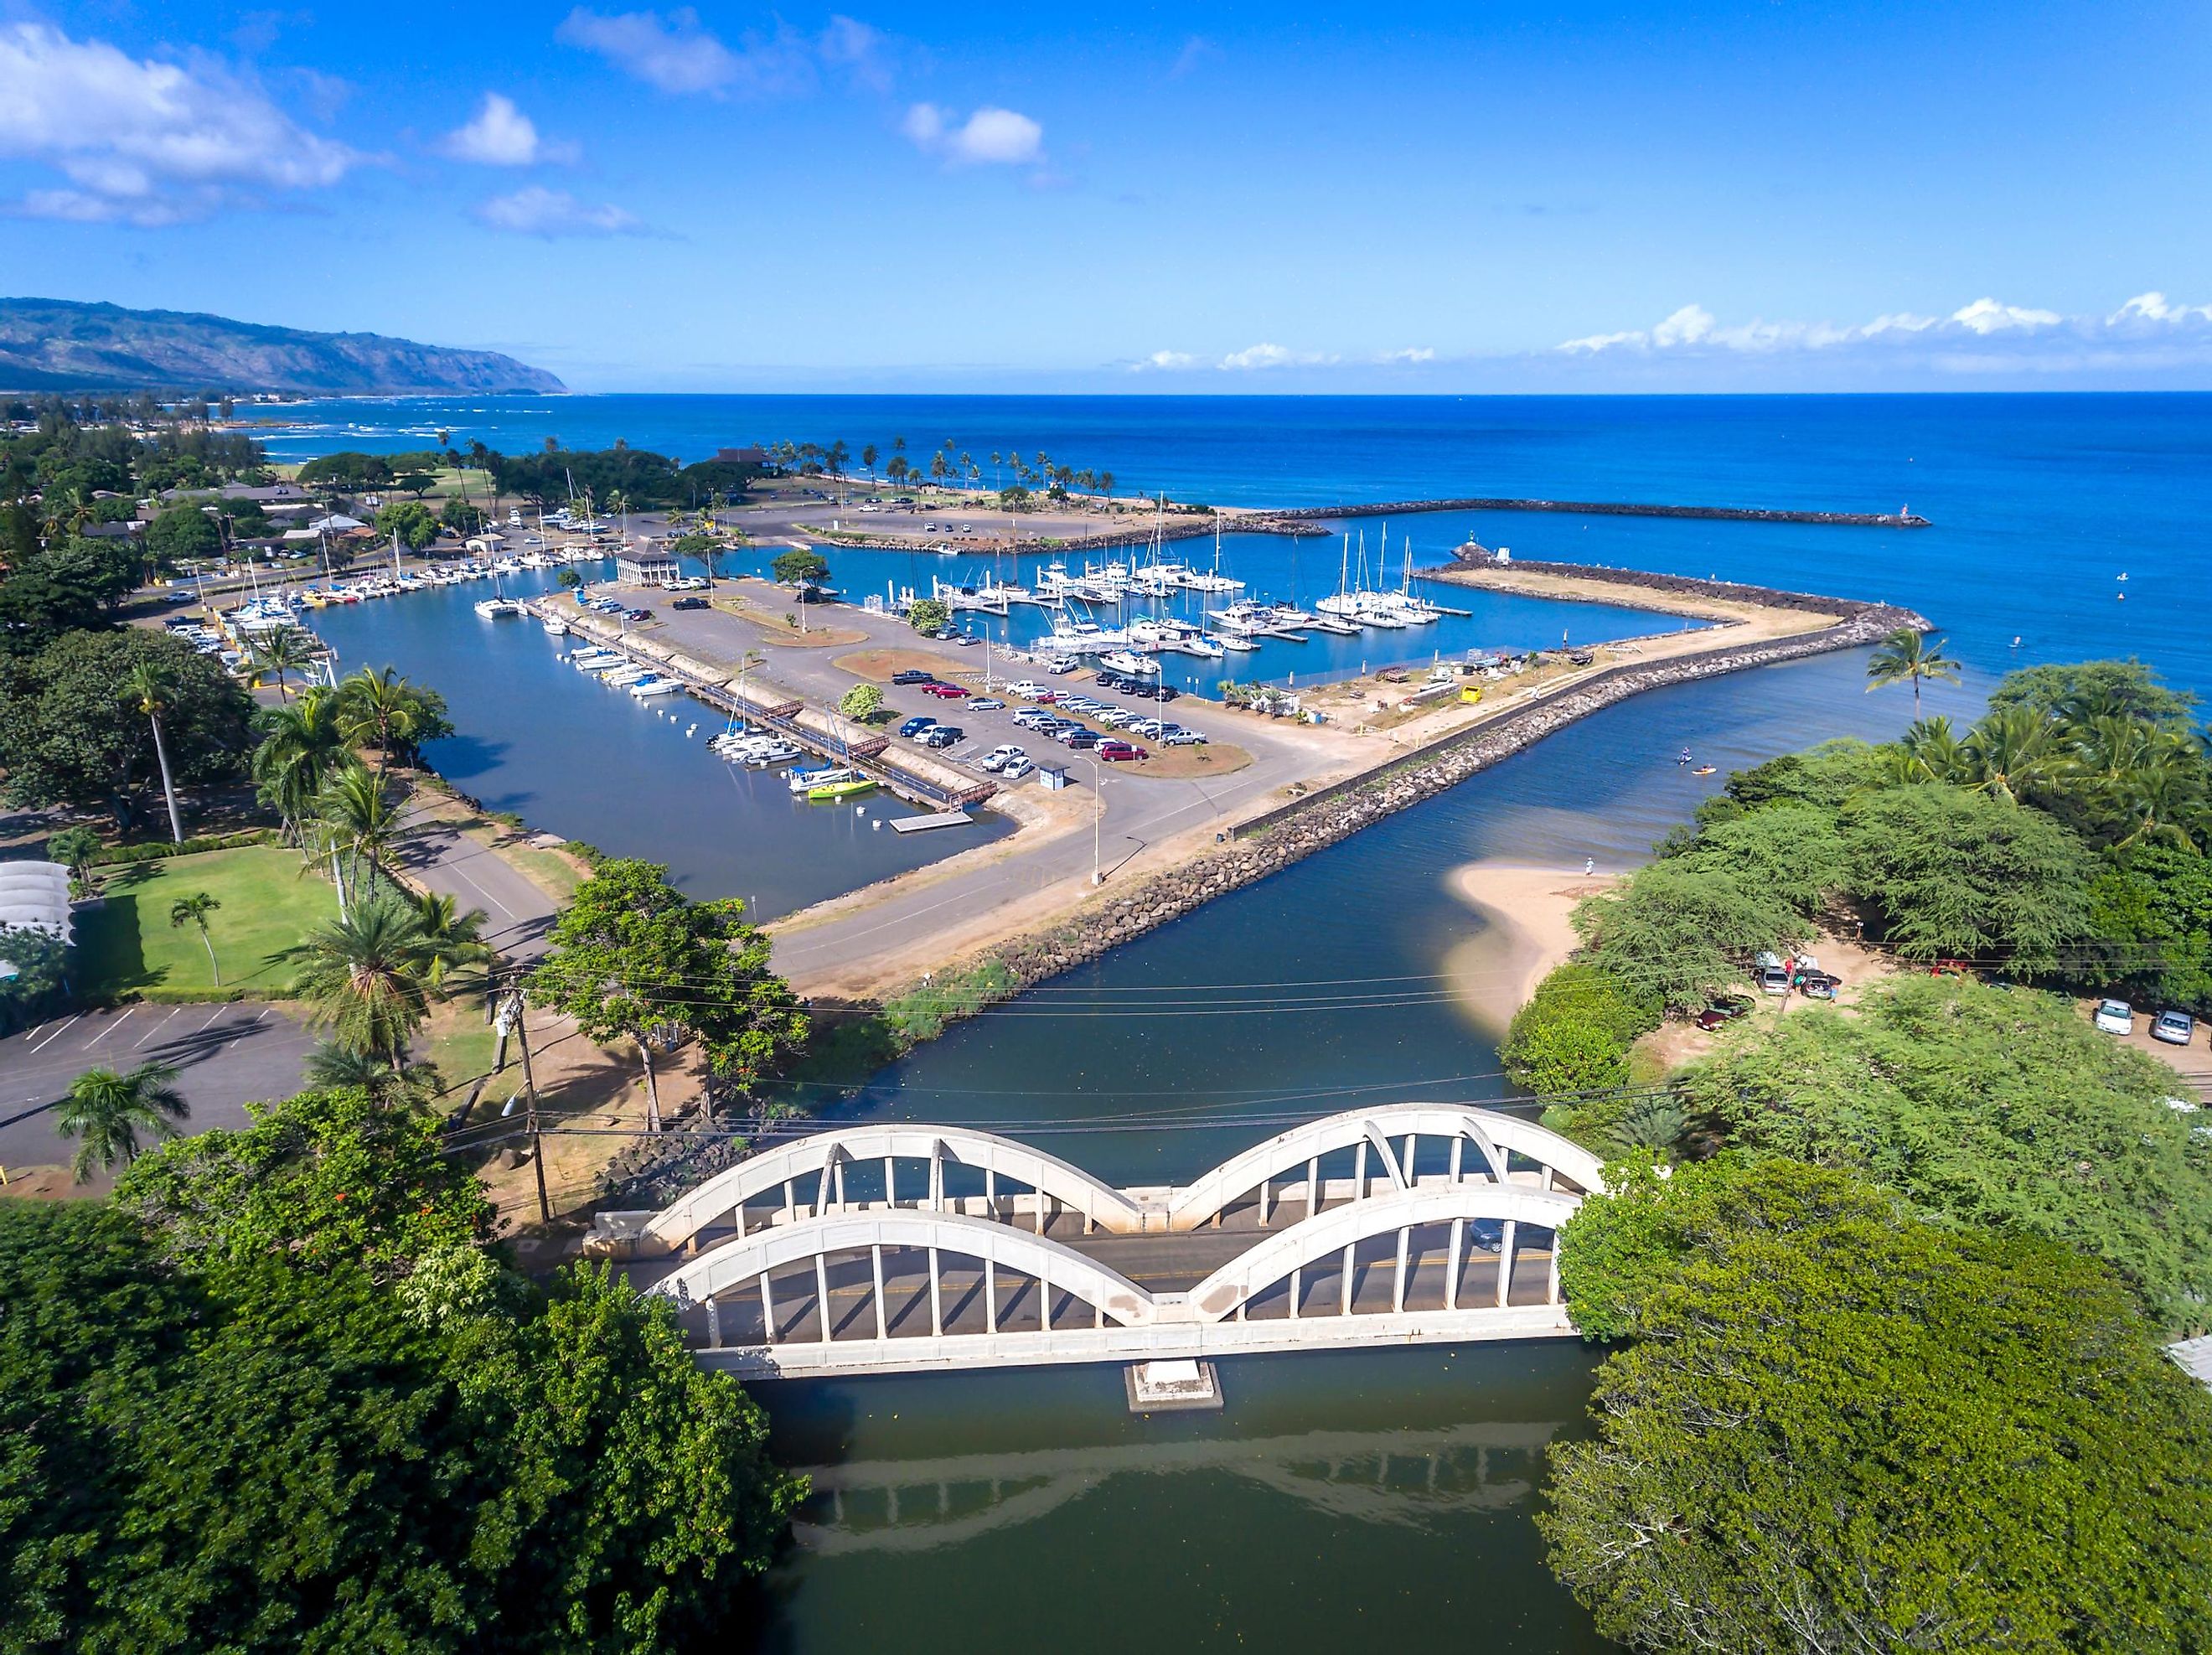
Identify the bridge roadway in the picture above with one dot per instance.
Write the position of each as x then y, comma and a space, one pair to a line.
1376, 1226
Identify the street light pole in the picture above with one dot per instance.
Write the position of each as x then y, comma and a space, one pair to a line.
1097, 815
530, 1092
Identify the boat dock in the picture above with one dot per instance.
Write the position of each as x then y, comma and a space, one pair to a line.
923, 824
815, 731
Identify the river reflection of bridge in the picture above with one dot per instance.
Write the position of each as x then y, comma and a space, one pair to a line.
907, 1247
1400, 1477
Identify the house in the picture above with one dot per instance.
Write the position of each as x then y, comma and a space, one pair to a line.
646, 564
336, 523
742, 457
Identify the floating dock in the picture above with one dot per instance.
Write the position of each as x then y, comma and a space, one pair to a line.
923, 824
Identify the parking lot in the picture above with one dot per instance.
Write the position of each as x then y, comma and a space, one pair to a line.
226, 1056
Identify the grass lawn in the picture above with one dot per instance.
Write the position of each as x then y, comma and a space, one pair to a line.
267, 907
460, 1042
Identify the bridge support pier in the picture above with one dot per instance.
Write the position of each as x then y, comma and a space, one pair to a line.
768, 1309
1505, 1254
1458, 1243
1398, 1286
876, 1264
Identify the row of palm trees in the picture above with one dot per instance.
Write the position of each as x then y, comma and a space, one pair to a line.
2123, 777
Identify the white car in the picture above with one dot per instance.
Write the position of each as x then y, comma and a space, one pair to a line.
1034, 718
1062, 665
1028, 690
1016, 769
1150, 729
1182, 739
2116, 1017
999, 758
1116, 717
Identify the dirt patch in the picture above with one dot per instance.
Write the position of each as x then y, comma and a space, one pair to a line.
881, 665
1187, 763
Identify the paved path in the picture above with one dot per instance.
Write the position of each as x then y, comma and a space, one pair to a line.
517, 912
226, 1055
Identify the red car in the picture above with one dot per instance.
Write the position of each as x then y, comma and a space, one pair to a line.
1119, 750
949, 692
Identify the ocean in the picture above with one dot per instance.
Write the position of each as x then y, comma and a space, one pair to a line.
2064, 525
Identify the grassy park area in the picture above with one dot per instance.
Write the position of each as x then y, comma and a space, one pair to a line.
267, 906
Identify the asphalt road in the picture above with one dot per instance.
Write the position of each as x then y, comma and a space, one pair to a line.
518, 914
226, 1056
1138, 811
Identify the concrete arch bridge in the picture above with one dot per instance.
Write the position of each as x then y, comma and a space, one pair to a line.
902, 1248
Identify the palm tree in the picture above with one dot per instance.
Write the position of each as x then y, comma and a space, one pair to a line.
1935, 752
382, 708
108, 1110
194, 910
2158, 800
280, 653
148, 685
333, 1068
1908, 656
301, 744
357, 817
451, 939
365, 976
2010, 750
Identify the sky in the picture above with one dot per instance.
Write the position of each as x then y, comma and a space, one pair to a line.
1684, 196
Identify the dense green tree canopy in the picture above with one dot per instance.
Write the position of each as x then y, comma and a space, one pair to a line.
790, 568
644, 478
411, 520
183, 533
69, 736
74, 585
1575, 1033
1988, 1108
1684, 931
1840, 1428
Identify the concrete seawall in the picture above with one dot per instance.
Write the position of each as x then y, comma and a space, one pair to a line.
1612, 508
1270, 842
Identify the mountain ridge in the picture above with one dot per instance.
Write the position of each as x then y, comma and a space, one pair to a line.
68, 344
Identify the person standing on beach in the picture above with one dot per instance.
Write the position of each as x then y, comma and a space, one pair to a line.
1589, 865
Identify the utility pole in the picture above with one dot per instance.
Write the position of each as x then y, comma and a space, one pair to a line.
530, 1095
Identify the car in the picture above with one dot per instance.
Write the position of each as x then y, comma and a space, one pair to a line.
1818, 985
1029, 718
1082, 704
2115, 1017
999, 758
1064, 664
1711, 1018
1772, 975
2175, 1028
1029, 690
985, 704
913, 675
1075, 736
1116, 717
945, 635
1016, 769
970, 639
1121, 752
913, 728
942, 735
1182, 739
638, 615
945, 691
1150, 729
690, 603
1107, 680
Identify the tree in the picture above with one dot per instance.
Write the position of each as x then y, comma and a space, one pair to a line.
453, 942
1908, 656
568, 579
333, 1068
862, 703
108, 1111
68, 737
301, 746
74, 849
2150, 924
1575, 1033
2076, 692
1790, 851
74, 586
632, 958
411, 520
182, 534
868, 459
798, 567
461, 517
1840, 1428
357, 823
1958, 874
1685, 933
194, 910
382, 709
330, 1177
365, 976
147, 687
927, 615
1982, 1107
284, 651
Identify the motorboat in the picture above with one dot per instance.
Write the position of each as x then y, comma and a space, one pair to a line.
774, 752
555, 627
657, 687
1126, 660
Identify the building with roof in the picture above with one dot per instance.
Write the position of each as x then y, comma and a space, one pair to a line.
646, 564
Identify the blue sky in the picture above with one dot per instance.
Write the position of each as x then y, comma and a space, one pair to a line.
1577, 197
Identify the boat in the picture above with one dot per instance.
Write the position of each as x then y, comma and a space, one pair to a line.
1703, 769
774, 752
826, 791
494, 609
555, 627
1124, 661
657, 687
1229, 640
817, 775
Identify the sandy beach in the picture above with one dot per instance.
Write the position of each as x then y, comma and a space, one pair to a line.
1526, 930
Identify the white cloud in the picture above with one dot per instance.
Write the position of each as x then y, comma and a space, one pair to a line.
536, 210
1419, 354
990, 137
145, 141
1164, 360
677, 54
503, 136
1195, 51
1256, 356
1987, 316
1985, 337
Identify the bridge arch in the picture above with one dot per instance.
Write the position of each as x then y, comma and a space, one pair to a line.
739, 1263
823, 1155
1338, 1229
1381, 1133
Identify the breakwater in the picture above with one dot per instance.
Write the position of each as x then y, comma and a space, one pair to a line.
1470, 569
1613, 508
1275, 840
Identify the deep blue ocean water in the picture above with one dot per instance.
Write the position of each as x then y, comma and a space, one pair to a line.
2039, 502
